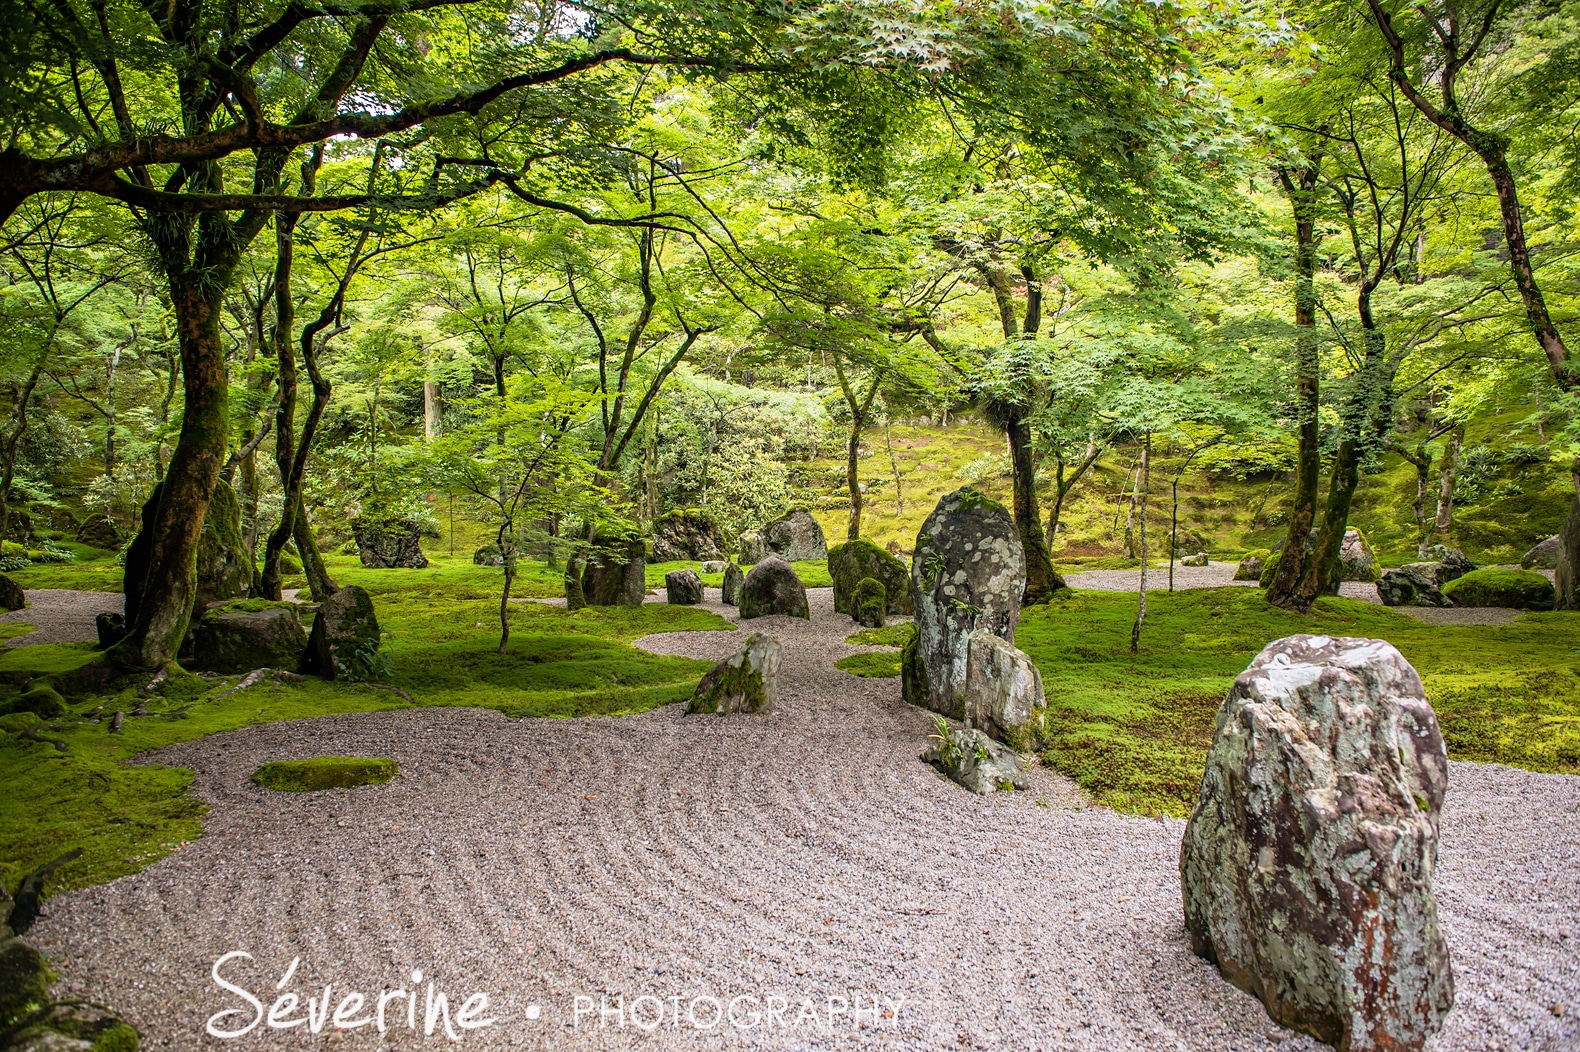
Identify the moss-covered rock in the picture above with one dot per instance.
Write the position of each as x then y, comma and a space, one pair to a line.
24, 981
871, 603
852, 561
223, 570
616, 572
42, 701
345, 640
746, 681
1493, 586
325, 772
390, 543
1252, 564
686, 534
244, 635
773, 588
11, 596
683, 588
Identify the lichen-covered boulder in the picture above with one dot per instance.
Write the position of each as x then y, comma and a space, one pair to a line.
345, 641
1308, 861
713, 566
686, 534
390, 544
1451, 563
1542, 556
616, 572
746, 681
750, 548
682, 588
967, 573
1199, 559
111, 628
242, 636
773, 588
974, 760
796, 536
99, 532
224, 566
1250, 568
733, 579
1003, 694
1566, 574
11, 594
488, 555
1497, 586
852, 561
1413, 584
870, 603
1357, 561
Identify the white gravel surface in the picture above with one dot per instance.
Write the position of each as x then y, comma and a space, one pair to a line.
61, 615
805, 855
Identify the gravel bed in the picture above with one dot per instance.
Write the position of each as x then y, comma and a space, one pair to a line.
803, 855
61, 615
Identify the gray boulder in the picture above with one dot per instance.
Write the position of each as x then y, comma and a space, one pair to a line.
967, 574
686, 535
1199, 559
390, 544
682, 588
713, 566
1413, 584
733, 579
345, 641
1357, 560
239, 637
1452, 563
796, 536
1250, 568
616, 572
751, 547
974, 760
11, 595
1003, 694
746, 681
852, 561
488, 555
1308, 861
1543, 556
111, 629
773, 588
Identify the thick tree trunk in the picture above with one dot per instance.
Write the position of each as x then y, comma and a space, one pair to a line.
1492, 149
169, 587
1308, 375
1042, 580
432, 410
319, 583
1445, 487
1141, 600
853, 480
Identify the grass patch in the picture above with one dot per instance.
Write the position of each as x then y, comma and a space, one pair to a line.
13, 629
1134, 730
92, 570
325, 772
444, 652
887, 636
874, 664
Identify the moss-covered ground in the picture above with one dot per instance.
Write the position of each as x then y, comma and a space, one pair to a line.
325, 772
443, 640
1134, 730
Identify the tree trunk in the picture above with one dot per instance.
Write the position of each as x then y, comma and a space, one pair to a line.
432, 410
853, 479
285, 414
1141, 601
319, 583
168, 589
1292, 563
1042, 580
1445, 487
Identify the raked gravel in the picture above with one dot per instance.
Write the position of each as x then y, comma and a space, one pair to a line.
61, 615
804, 855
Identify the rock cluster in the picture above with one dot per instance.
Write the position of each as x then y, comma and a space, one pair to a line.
682, 588
390, 544
1308, 861
746, 681
773, 588
1413, 584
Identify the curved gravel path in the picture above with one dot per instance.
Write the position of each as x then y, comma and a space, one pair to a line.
61, 615
804, 855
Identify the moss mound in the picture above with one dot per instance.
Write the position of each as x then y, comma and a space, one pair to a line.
325, 772
872, 603
1269, 569
851, 563
879, 664
1520, 589
42, 701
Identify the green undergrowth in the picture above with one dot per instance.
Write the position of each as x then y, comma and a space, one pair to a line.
325, 772
91, 570
1134, 730
444, 653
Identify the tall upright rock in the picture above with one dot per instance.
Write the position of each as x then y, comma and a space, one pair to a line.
1308, 861
967, 574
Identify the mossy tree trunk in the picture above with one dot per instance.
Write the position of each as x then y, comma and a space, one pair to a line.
1042, 580
860, 405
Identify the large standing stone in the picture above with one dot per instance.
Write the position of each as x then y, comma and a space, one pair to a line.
746, 681
345, 640
773, 588
967, 573
751, 548
796, 536
1542, 556
1566, 572
616, 573
1307, 863
224, 566
870, 604
11, 595
390, 544
733, 579
682, 588
1357, 561
1003, 693
1413, 584
238, 637
848, 563
686, 535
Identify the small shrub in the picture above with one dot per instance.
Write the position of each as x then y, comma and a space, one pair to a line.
325, 772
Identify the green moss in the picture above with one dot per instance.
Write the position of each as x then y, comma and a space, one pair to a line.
729, 683
888, 636
871, 602
876, 664
1520, 589
1134, 729
42, 701
1269, 570
325, 772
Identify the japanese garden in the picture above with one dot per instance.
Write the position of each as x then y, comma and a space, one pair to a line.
548, 524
